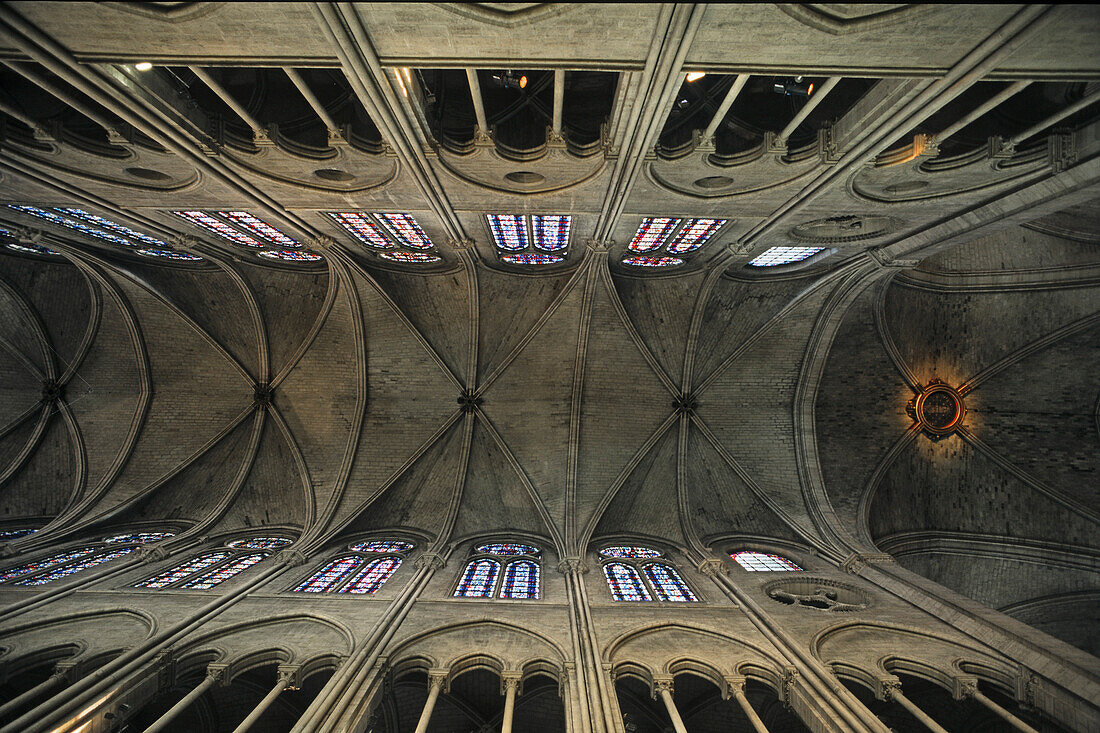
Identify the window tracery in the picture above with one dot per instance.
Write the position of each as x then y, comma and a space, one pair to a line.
60, 565
783, 256
526, 240
210, 569
289, 255
636, 573
519, 579
763, 562
401, 233
677, 237
365, 571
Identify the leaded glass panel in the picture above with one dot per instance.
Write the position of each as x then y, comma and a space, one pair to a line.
362, 227
260, 543
783, 256
48, 562
667, 583
625, 583
695, 234
383, 546
219, 227
479, 579
521, 580
113, 226
330, 576
373, 575
507, 548
139, 537
652, 233
406, 230
509, 231
551, 232
76, 567
632, 552
763, 561
260, 228
224, 572
183, 570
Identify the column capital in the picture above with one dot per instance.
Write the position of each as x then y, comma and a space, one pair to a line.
152, 553
293, 558
430, 560
887, 686
439, 677
713, 566
220, 672
965, 686
598, 245
859, 560
291, 674
322, 241
465, 243
661, 683
511, 680
569, 565
734, 683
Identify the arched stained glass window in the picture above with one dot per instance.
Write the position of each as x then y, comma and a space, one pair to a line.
373, 575
667, 583
631, 552
224, 572
259, 227
507, 548
181, 571
479, 579
260, 543
763, 561
330, 576
383, 546
11, 534
76, 567
35, 249
406, 230
48, 562
625, 583
783, 256
139, 538
168, 254
521, 580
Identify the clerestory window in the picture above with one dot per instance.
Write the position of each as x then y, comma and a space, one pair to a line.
213, 568
643, 574
501, 570
364, 571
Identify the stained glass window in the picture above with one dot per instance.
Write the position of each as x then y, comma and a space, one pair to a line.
652, 233
224, 572
405, 230
625, 583
10, 534
362, 227
383, 546
632, 552
531, 258
330, 576
409, 256
373, 575
479, 579
48, 562
521, 580
217, 226
72, 224
783, 255
551, 232
183, 570
169, 254
763, 561
260, 543
640, 261
289, 255
667, 583
507, 548
32, 248
260, 228
695, 234
509, 231
76, 567
140, 537
113, 226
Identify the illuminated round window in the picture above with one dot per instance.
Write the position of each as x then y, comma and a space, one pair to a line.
938, 409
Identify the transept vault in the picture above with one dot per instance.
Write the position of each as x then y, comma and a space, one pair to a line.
540, 367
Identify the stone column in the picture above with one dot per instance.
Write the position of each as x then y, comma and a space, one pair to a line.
287, 677
891, 691
509, 683
213, 677
968, 687
437, 681
737, 690
662, 686
59, 677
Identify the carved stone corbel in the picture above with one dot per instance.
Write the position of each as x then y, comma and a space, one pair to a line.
153, 553
598, 246
790, 677
322, 241
27, 235
430, 561
886, 261
293, 558
569, 565
712, 567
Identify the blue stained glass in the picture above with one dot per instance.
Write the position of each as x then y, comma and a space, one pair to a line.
625, 583
72, 224
260, 543
551, 231
373, 575
48, 562
405, 230
362, 227
634, 552
113, 226
260, 228
479, 579
139, 537
652, 233
76, 567
383, 546
531, 258
783, 255
291, 256
169, 254
653, 261
183, 570
521, 580
763, 561
9, 534
217, 226
509, 231
409, 256
330, 576
695, 234
507, 548
668, 584
36, 249
224, 572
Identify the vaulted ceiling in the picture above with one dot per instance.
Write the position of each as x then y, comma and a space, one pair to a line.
471, 397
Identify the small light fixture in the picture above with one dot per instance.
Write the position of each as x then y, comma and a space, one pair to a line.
695, 75
509, 80
143, 66
796, 87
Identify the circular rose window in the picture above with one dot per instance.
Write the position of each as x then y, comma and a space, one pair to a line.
938, 409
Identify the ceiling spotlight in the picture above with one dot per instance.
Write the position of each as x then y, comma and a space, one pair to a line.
795, 87
509, 79
143, 66
695, 75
